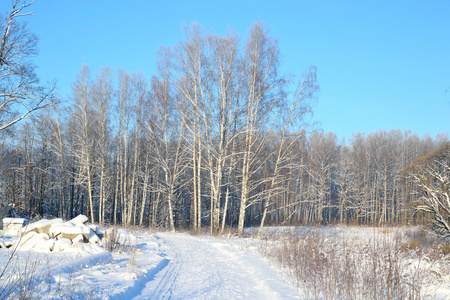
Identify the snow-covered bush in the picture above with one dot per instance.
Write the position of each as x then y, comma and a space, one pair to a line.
115, 239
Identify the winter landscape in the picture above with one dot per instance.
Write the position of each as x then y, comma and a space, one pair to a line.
66, 260
224, 149
149, 266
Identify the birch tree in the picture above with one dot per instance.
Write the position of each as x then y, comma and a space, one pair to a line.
361, 160
167, 130
187, 74
322, 165
138, 96
124, 175
264, 93
102, 96
285, 153
223, 89
83, 120
21, 95
60, 164
345, 186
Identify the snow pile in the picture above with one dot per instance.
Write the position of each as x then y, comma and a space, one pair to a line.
41, 226
71, 236
57, 235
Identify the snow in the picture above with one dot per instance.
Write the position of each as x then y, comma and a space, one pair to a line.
161, 265
32, 240
41, 224
80, 219
13, 221
62, 244
69, 228
122, 236
207, 268
78, 238
13, 226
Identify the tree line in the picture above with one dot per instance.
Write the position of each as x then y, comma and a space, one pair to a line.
62, 169
217, 138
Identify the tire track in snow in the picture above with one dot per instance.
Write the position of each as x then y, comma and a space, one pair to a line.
139, 283
148, 268
208, 268
165, 286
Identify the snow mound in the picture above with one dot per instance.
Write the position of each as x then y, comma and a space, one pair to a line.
69, 230
32, 240
62, 244
80, 219
73, 237
57, 235
41, 226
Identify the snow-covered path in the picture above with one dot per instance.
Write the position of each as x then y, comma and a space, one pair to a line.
208, 268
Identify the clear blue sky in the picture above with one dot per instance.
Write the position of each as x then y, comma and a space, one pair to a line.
381, 64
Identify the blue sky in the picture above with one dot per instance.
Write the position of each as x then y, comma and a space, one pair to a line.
381, 64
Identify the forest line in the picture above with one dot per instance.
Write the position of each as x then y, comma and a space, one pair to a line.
217, 138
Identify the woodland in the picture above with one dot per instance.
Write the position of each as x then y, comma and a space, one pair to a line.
217, 139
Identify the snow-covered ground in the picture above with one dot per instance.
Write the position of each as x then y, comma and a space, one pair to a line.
208, 268
161, 265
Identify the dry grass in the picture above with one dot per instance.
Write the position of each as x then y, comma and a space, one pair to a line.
111, 242
19, 281
387, 266
29, 278
25, 278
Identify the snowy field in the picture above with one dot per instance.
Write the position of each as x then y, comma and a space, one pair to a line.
163, 265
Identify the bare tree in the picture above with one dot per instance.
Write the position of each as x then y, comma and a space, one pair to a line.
166, 129
431, 173
187, 73
102, 96
322, 164
264, 94
360, 157
60, 164
284, 156
85, 140
137, 96
20, 93
223, 88
344, 181
123, 191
